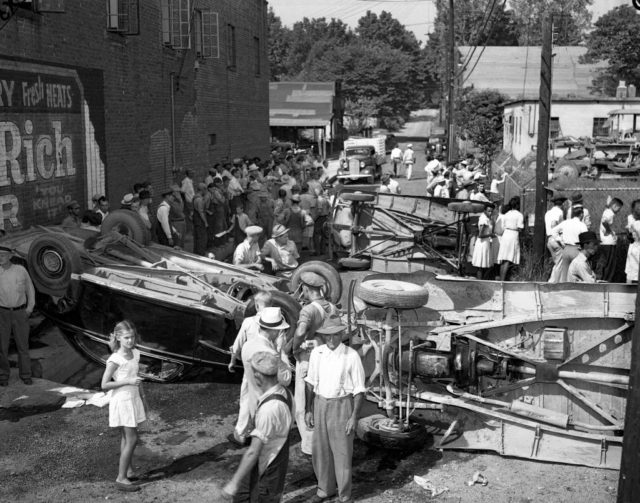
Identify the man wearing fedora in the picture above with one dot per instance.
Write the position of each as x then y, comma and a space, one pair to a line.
280, 252
579, 270
552, 218
270, 323
334, 395
247, 253
263, 468
17, 300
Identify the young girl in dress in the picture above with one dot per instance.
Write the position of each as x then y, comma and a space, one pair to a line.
126, 409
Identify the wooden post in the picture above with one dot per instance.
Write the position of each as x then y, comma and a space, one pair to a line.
629, 480
451, 126
542, 154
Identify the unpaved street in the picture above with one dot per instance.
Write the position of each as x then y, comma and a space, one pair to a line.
70, 455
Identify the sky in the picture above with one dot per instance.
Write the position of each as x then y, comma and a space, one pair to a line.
416, 15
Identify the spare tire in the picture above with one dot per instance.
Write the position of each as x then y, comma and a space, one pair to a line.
332, 279
467, 207
390, 293
128, 223
355, 263
51, 261
358, 196
380, 431
289, 306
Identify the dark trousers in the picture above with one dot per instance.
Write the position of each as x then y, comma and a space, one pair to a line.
606, 263
16, 322
269, 487
199, 235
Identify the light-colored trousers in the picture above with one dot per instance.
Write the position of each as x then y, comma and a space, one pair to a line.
408, 169
556, 254
306, 434
332, 447
248, 407
561, 269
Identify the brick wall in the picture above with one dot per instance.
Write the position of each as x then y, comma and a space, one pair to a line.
133, 76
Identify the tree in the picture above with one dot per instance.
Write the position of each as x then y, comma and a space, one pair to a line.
615, 39
279, 44
388, 30
572, 20
480, 119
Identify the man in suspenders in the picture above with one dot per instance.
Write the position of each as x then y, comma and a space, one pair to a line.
334, 395
260, 476
312, 316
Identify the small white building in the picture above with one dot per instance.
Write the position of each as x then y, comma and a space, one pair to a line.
576, 117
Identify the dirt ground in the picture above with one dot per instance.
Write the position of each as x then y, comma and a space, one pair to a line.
71, 455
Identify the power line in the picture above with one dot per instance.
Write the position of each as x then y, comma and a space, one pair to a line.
468, 59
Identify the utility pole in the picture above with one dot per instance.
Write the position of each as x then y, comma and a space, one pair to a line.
451, 127
542, 153
629, 478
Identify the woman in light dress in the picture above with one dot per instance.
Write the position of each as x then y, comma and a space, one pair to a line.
513, 223
633, 254
482, 257
126, 408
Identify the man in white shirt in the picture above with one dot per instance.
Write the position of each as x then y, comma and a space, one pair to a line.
270, 324
567, 234
396, 159
280, 252
408, 159
247, 253
263, 468
552, 218
607, 258
432, 168
579, 270
334, 395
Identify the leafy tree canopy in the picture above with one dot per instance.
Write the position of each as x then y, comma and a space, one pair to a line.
615, 39
480, 119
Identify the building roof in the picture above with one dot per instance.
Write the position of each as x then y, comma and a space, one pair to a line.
301, 104
612, 100
515, 71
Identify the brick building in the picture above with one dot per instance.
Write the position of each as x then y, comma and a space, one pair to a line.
98, 97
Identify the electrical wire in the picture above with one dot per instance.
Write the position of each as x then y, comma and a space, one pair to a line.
479, 34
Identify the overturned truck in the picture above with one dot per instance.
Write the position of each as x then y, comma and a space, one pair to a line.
531, 370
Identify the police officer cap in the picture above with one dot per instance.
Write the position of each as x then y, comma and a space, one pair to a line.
312, 279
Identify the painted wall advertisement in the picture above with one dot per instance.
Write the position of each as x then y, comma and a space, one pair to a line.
49, 153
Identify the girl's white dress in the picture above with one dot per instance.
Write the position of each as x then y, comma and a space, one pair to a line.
482, 256
125, 406
512, 222
633, 255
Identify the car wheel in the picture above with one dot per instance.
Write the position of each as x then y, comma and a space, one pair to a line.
51, 261
382, 432
331, 278
389, 293
358, 196
128, 223
355, 263
466, 207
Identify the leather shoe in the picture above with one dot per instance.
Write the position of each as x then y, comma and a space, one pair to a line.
28, 381
318, 499
127, 488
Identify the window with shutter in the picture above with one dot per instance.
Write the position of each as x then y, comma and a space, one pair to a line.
123, 17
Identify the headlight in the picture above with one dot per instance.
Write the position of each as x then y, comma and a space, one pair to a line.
366, 170
362, 164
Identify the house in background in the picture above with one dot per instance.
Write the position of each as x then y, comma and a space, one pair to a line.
306, 111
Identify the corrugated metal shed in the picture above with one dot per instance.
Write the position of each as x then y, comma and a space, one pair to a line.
301, 104
515, 71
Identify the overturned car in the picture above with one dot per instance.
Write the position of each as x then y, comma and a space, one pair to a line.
187, 308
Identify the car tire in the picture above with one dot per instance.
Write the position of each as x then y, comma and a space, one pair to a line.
390, 293
355, 263
51, 261
289, 306
128, 223
328, 272
358, 196
371, 430
466, 207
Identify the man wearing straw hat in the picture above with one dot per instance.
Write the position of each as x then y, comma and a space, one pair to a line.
271, 323
260, 476
280, 252
335, 391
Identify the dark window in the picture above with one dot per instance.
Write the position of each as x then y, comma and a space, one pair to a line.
176, 19
123, 17
213, 139
600, 126
231, 46
256, 55
554, 128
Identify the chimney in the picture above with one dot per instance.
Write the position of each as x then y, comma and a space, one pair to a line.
621, 91
631, 91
